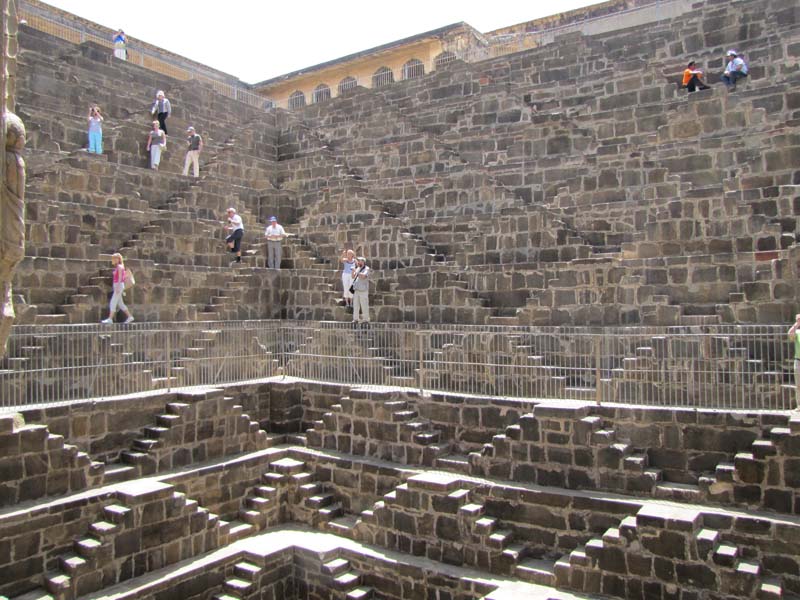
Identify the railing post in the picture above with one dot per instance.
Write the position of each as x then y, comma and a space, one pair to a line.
282, 349
421, 370
598, 392
169, 360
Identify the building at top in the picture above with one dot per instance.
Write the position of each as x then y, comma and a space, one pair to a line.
419, 54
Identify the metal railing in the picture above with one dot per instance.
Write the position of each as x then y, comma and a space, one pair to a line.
53, 364
734, 367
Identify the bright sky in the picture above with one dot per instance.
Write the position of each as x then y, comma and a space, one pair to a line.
258, 39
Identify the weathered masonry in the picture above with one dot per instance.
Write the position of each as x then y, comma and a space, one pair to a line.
570, 187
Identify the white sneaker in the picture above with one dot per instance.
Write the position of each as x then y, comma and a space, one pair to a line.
106, 321
129, 319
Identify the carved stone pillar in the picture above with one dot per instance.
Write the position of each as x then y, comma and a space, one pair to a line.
12, 187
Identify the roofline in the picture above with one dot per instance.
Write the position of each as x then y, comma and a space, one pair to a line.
414, 38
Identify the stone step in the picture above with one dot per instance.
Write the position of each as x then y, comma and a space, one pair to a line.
346, 581
453, 462
35, 595
238, 530
537, 571
336, 567
680, 492
331, 511
237, 586
246, 570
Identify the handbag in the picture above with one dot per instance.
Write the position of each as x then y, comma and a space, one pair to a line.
129, 280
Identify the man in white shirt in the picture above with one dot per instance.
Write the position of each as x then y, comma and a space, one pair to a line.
234, 240
361, 291
274, 234
734, 71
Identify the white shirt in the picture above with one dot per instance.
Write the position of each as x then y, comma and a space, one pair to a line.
236, 222
737, 64
275, 233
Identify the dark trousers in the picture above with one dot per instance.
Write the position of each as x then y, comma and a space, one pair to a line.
695, 83
730, 80
162, 121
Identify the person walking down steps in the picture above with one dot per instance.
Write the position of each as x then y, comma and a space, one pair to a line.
234, 240
156, 144
118, 284
161, 109
274, 234
194, 147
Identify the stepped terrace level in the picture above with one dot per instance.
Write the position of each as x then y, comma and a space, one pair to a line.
539, 188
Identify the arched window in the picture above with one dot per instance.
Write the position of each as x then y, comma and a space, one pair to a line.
348, 83
443, 58
297, 99
321, 93
382, 76
268, 103
413, 68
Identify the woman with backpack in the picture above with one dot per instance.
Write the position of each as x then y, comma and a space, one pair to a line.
118, 283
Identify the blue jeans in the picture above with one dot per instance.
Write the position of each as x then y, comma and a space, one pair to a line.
96, 142
731, 78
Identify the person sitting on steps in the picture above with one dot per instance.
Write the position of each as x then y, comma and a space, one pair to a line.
735, 70
693, 78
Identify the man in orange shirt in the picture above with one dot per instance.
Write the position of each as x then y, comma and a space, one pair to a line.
693, 78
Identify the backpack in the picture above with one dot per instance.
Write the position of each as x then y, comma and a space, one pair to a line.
129, 280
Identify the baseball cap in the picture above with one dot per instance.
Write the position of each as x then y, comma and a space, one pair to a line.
731, 52
190, 129
273, 220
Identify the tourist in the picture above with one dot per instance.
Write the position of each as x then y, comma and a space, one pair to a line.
156, 144
348, 261
118, 284
234, 239
274, 234
794, 335
360, 289
195, 146
693, 78
161, 109
95, 130
735, 70
120, 40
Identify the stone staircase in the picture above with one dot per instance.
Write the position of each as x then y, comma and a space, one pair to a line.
105, 554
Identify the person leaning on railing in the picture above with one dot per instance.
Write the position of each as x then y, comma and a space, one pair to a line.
120, 40
794, 335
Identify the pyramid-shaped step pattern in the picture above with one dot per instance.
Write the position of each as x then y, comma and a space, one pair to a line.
177, 437
149, 518
46, 466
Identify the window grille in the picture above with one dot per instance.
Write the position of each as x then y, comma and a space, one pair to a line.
321, 93
348, 83
297, 100
443, 59
382, 76
413, 68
